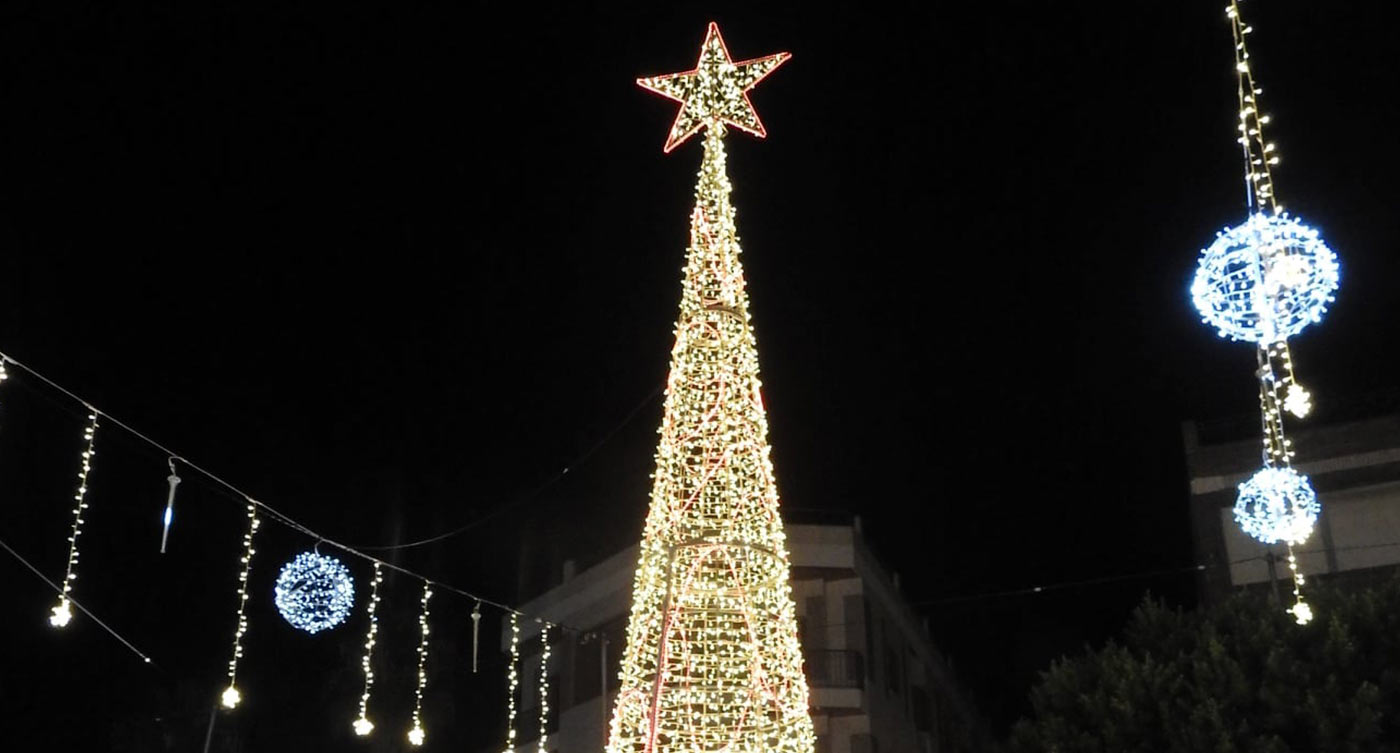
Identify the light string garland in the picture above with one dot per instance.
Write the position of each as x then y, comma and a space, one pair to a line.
416, 734
363, 725
512, 681
231, 696
712, 659
281, 518
1263, 282
62, 614
544, 689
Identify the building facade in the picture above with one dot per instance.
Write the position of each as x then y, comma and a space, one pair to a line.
1354, 465
877, 683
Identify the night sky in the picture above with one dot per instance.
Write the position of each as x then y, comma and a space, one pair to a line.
391, 268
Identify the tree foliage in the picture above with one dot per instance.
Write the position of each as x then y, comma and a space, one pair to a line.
1240, 677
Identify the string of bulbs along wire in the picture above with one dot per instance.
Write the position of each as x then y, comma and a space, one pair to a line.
327, 576
176, 459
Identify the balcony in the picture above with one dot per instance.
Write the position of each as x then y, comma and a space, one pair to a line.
836, 679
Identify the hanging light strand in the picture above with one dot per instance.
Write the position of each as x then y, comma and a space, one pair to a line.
363, 725
1301, 611
416, 734
1259, 154
62, 614
1265, 281
264, 509
544, 687
232, 696
512, 681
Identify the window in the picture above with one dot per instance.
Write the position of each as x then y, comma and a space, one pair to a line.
892, 665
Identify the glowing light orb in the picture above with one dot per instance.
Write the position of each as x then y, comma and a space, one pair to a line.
1277, 504
1297, 401
61, 614
231, 697
415, 735
314, 592
1265, 280
363, 726
1302, 612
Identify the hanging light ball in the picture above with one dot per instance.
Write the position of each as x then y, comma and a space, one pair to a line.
1277, 504
1265, 280
314, 592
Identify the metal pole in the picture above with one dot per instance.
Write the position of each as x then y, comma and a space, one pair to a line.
209, 733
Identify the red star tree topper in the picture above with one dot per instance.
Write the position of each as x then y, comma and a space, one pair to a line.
715, 92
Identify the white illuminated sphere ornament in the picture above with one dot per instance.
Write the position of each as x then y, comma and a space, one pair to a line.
1277, 505
1265, 280
314, 592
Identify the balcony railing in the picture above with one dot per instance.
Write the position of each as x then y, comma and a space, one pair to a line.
835, 669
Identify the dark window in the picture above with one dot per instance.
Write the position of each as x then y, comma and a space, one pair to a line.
921, 708
815, 637
892, 666
864, 743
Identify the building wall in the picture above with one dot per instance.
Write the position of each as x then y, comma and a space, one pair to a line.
1355, 468
877, 684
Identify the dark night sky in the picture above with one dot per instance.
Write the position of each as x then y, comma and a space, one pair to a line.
390, 267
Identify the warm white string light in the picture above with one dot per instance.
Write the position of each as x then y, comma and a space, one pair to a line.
363, 725
544, 688
416, 734
1262, 282
512, 681
62, 614
275, 515
231, 696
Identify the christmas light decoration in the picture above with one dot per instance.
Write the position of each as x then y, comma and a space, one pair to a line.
715, 92
1263, 282
231, 696
512, 681
62, 614
174, 480
314, 592
1300, 609
363, 725
416, 734
544, 689
712, 661
1277, 505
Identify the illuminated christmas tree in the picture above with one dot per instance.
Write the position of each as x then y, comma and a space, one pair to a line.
713, 661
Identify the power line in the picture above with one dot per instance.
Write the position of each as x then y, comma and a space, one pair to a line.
1141, 575
74, 602
526, 499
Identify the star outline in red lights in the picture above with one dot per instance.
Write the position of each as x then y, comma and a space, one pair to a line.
715, 92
